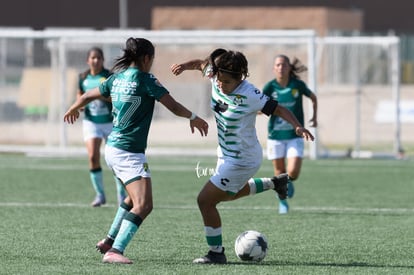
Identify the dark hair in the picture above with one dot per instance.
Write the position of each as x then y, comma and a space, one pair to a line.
296, 66
84, 74
95, 49
230, 62
135, 50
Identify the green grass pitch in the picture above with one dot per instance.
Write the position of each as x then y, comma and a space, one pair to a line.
347, 217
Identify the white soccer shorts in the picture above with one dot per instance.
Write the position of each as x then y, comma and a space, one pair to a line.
231, 176
288, 148
95, 130
127, 166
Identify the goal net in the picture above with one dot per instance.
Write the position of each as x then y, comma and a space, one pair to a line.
352, 77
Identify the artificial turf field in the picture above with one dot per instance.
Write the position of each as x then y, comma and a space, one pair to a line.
347, 217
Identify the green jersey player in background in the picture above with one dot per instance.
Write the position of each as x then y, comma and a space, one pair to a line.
283, 143
133, 92
235, 103
97, 123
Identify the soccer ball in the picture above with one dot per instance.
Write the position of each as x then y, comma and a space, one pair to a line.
251, 246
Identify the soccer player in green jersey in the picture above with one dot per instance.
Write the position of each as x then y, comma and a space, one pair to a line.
97, 123
283, 143
235, 103
133, 92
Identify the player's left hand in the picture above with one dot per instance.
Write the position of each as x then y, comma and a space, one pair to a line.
303, 132
200, 124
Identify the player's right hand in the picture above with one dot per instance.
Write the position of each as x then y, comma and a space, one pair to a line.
71, 116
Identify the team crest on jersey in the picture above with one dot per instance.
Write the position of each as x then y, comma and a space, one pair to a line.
102, 79
220, 107
238, 99
274, 95
295, 92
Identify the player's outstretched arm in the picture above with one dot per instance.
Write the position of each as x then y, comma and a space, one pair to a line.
290, 117
195, 64
179, 110
72, 114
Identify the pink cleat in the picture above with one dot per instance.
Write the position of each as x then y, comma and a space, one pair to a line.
115, 258
103, 247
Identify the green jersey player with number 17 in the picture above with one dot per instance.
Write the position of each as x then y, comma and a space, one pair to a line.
133, 91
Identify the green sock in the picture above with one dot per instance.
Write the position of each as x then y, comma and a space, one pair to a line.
123, 209
214, 238
259, 185
97, 181
129, 227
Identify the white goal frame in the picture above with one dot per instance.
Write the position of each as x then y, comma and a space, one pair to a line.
60, 40
392, 43
261, 37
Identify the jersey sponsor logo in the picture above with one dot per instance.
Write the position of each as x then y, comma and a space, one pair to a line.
123, 86
221, 107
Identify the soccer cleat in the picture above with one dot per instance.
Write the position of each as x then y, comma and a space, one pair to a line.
103, 247
291, 189
98, 201
283, 207
115, 258
281, 185
212, 258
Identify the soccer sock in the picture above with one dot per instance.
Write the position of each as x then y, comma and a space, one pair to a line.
123, 209
214, 238
129, 227
97, 181
259, 185
120, 190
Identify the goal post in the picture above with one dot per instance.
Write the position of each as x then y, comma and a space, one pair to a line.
372, 51
271, 40
354, 77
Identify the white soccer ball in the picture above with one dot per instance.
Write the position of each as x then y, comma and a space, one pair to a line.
251, 246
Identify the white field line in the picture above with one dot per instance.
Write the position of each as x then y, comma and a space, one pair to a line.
194, 207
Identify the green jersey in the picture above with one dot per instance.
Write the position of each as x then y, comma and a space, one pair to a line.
133, 95
289, 97
97, 111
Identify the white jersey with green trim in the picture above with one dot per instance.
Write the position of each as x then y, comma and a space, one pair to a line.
235, 115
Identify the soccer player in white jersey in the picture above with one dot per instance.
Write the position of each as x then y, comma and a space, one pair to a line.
133, 92
235, 103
